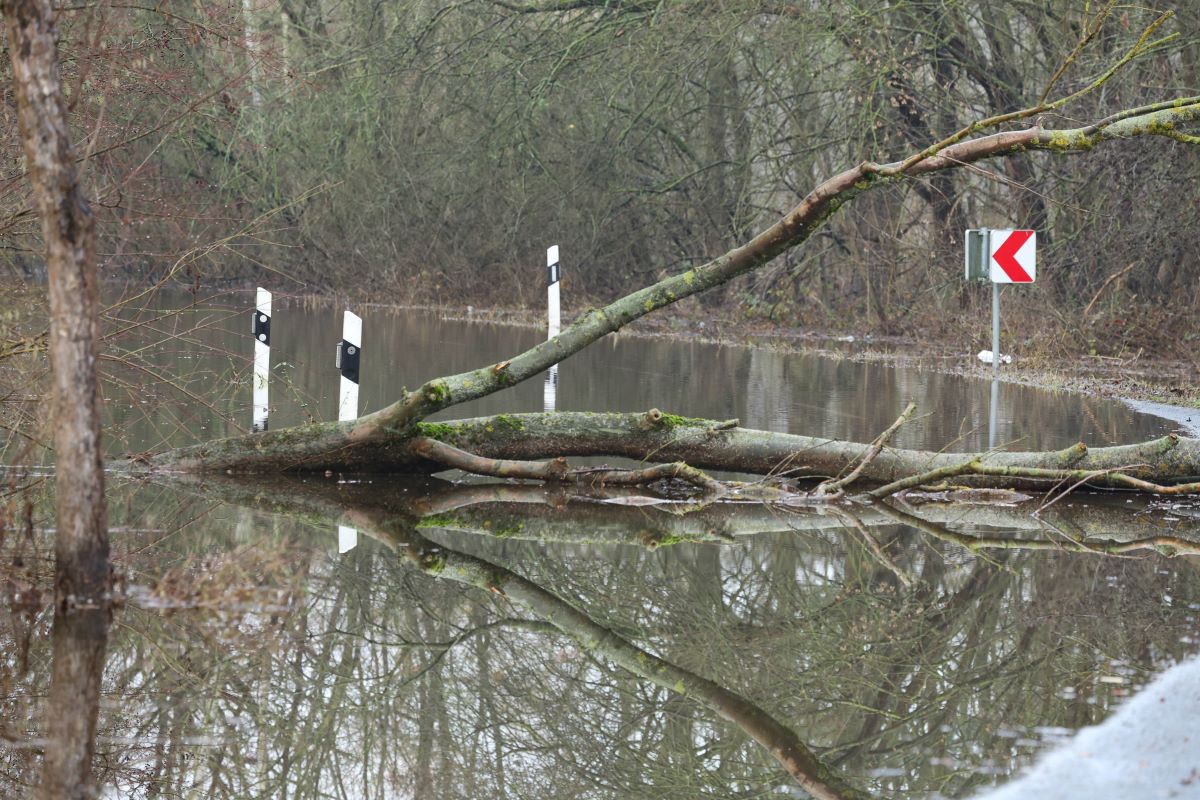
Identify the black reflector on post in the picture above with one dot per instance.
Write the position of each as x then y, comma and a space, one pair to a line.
347, 360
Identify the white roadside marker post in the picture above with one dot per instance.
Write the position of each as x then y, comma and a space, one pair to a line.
261, 328
349, 353
553, 277
554, 320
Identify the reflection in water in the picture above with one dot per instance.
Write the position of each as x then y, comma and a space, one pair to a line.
209, 390
69, 728
251, 661
595, 649
993, 412
550, 390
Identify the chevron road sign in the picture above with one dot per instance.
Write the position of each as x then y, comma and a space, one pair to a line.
1013, 256
1000, 257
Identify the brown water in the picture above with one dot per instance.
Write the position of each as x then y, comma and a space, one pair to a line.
917, 657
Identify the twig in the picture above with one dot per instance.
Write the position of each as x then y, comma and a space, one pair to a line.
833, 486
1041, 107
1104, 286
1094, 474
1090, 34
886, 490
558, 470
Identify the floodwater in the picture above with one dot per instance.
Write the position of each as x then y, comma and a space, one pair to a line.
514, 641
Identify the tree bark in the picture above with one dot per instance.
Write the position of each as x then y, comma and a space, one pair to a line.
700, 443
81, 544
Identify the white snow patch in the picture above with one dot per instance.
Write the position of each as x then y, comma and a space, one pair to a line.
1147, 749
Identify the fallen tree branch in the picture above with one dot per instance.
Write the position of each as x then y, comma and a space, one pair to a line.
835, 486
913, 481
558, 470
450, 456
1112, 477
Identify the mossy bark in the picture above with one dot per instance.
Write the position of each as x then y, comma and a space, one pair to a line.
665, 438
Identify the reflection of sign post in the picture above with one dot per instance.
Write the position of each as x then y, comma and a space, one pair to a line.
1006, 256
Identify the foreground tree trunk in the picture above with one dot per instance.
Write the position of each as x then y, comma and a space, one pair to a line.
81, 615
81, 544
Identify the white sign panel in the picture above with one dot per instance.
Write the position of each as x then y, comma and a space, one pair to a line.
1013, 256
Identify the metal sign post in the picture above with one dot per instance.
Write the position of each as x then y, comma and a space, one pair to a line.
995, 328
1008, 256
1000, 256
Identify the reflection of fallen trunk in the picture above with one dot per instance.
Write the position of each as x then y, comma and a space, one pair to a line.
1105, 523
1067, 538
809, 772
387, 521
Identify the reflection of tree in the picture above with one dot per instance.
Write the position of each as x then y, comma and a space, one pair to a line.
597, 640
80, 638
363, 672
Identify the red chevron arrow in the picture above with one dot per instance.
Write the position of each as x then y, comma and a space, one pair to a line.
1005, 256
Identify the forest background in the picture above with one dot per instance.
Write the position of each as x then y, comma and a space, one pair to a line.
427, 151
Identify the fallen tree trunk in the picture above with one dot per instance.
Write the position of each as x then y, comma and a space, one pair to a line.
700, 443
389, 439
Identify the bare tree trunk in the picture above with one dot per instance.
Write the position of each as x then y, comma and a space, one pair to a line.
68, 230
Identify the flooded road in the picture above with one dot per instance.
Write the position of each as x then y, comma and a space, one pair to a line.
517, 641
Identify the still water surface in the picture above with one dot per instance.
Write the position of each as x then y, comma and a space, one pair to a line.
924, 656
